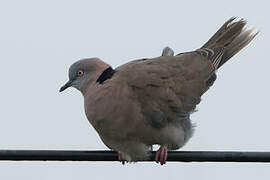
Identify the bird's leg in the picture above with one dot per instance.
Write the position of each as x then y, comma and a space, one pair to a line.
161, 155
121, 158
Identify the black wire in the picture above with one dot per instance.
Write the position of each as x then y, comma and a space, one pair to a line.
175, 156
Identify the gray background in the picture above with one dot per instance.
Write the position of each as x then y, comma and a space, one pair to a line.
39, 40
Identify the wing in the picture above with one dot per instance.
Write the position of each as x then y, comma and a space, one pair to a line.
168, 87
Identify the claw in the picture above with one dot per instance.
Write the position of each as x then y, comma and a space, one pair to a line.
161, 155
121, 158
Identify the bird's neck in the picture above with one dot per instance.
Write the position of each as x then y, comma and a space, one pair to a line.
97, 79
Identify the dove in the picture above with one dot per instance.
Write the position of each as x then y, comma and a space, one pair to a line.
167, 51
149, 101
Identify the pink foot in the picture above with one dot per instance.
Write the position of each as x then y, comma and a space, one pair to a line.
161, 155
121, 158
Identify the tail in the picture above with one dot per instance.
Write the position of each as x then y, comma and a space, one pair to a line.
231, 38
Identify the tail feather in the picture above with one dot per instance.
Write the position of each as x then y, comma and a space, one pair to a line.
220, 32
239, 43
232, 37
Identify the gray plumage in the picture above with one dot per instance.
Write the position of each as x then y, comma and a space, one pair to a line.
149, 101
167, 51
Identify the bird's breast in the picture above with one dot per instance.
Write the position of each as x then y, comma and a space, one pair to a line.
111, 110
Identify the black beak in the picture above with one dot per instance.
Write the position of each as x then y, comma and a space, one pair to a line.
67, 85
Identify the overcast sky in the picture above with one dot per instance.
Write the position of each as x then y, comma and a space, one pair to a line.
39, 40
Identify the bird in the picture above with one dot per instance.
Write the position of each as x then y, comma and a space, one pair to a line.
149, 101
167, 51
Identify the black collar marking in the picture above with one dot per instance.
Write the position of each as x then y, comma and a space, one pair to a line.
106, 74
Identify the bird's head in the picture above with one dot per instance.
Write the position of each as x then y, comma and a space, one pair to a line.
84, 72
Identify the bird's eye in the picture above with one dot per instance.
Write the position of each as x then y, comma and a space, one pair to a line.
80, 73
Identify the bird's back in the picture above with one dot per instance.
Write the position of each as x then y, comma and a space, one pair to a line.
168, 88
